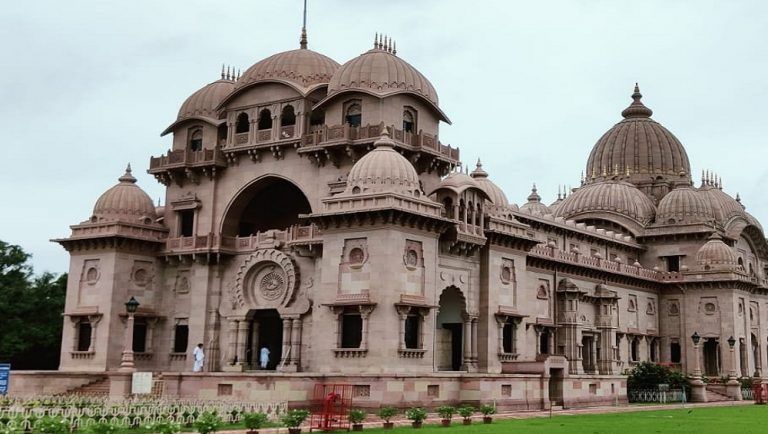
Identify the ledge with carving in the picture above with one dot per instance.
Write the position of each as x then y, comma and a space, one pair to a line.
354, 141
82, 355
508, 357
254, 144
177, 357
411, 353
143, 356
184, 164
350, 353
88, 234
210, 243
548, 252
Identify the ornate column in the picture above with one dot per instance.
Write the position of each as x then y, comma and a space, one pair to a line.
242, 337
126, 363
606, 320
402, 315
733, 386
296, 344
286, 353
232, 341
467, 337
94, 320
365, 313
698, 391
474, 342
501, 320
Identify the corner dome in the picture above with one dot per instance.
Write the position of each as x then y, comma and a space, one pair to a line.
126, 201
499, 203
716, 253
684, 205
638, 149
381, 73
205, 100
301, 68
605, 199
534, 204
383, 170
723, 205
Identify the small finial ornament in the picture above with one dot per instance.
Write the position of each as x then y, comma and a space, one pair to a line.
394, 48
637, 109
376, 40
303, 39
222, 71
127, 176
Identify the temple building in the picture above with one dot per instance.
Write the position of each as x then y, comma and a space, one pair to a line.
310, 208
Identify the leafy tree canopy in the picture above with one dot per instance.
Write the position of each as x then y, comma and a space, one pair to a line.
30, 312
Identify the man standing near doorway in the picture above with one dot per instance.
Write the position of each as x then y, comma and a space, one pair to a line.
199, 357
264, 357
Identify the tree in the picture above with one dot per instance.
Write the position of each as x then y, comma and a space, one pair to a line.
30, 312
648, 375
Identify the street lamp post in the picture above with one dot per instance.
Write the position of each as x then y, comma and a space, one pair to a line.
126, 363
698, 391
733, 387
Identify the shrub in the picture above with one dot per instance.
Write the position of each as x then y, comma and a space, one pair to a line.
416, 414
51, 425
103, 427
466, 411
648, 375
357, 416
254, 420
208, 423
386, 413
487, 409
166, 427
446, 411
294, 418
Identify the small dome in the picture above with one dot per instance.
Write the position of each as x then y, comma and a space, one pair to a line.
684, 205
303, 68
638, 149
125, 201
716, 253
723, 205
499, 203
534, 204
204, 101
383, 170
616, 197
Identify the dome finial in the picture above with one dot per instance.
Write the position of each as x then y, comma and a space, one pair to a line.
479, 172
394, 48
534, 196
384, 140
637, 109
127, 177
222, 71
303, 40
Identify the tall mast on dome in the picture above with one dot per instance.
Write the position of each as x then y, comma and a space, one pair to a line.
303, 40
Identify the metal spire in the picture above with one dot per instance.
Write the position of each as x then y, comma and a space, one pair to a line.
303, 40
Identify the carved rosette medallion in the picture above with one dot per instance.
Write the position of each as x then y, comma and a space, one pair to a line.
267, 278
272, 284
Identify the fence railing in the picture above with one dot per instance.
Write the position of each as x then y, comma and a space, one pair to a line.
82, 412
657, 396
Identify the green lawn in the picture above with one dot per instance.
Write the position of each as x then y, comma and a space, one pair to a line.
720, 420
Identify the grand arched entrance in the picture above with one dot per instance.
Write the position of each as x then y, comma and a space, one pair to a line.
449, 333
269, 203
265, 330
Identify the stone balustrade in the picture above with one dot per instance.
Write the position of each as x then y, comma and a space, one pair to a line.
184, 158
297, 234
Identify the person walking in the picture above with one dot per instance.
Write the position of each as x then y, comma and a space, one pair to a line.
199, 357
264, 357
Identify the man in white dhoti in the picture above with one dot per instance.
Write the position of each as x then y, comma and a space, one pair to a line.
199, 357
264, 357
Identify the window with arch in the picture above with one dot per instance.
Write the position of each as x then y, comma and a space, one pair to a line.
221, 134
351, 328
196, 139
265, 119
353, 113
634, 350
317, 117
412, 332
409, 120
448, 205
84, 334
243, 124
288, 116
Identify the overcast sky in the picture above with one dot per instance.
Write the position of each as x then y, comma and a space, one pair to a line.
86, 87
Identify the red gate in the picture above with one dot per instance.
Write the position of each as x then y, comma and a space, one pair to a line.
330, 407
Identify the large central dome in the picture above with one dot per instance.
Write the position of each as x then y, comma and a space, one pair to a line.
639, 150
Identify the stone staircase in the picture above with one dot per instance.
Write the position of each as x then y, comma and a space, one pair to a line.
97, 386
716, 393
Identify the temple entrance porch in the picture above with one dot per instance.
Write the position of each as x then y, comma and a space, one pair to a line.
265, 330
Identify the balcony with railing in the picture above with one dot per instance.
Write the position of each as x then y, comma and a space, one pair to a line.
543, 251
346, 134
211, 243
184, 159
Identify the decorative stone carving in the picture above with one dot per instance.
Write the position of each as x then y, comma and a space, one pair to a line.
272, 285
413, 255
632, 303
142, 273
650, 308
355, 253
542, 292
265, 279
508, 274
674, 308
182, 285
91, 271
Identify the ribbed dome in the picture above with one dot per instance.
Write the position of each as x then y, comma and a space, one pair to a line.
684, 205
534, 204
716, 252
608, 196
204, 101
383, 170
500, 203
724, 206
380, 71
638, 149
301, 67
125, 201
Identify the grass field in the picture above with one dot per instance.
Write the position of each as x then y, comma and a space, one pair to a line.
737, 419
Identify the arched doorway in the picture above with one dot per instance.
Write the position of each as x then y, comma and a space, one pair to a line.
449, 333
711, 357
269, 203
265, 330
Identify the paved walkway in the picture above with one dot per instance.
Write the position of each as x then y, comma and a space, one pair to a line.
530, 414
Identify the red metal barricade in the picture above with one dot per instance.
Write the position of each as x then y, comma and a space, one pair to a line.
758, 393
330, 407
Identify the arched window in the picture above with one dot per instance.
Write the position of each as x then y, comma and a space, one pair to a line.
448, 204
288, 117
317, 117
196, 139
409, 120
353, 115
84, 330
243, 124
222, 134
635, 350
265, 119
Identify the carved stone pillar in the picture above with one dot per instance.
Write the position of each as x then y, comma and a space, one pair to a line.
402, 314
474, 341
501, 320
286, 353
296, 344
467, 336
242, 336
365, 313
94, 320
232, 342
